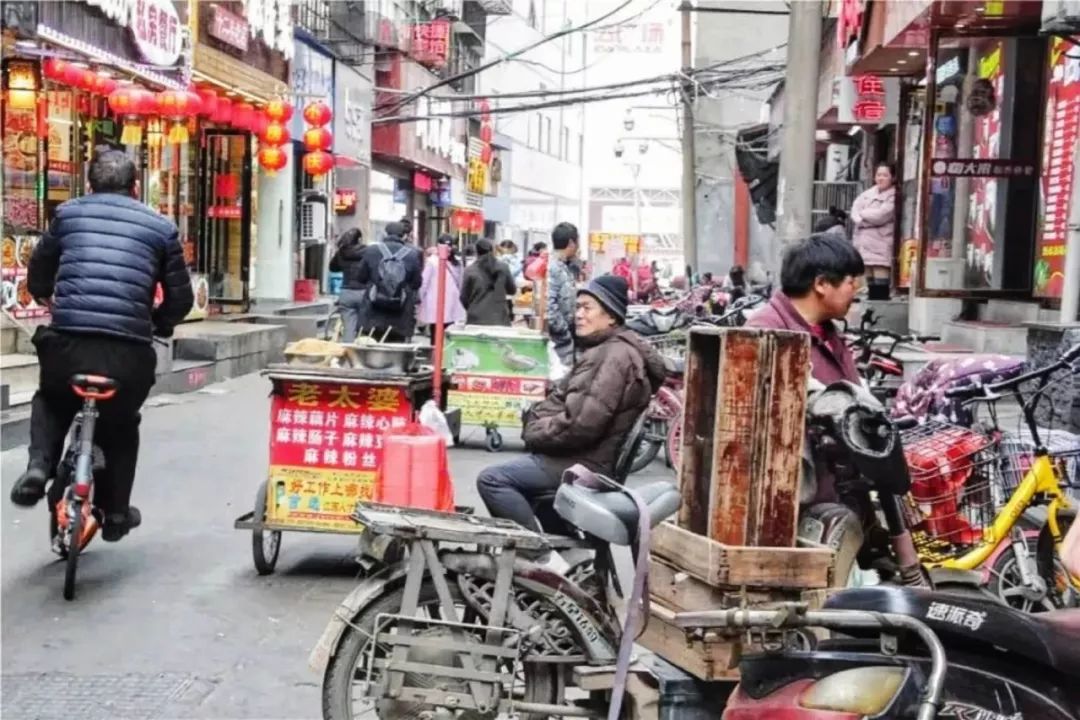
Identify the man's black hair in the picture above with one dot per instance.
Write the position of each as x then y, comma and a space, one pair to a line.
824, 256
406, 226
827, 222
563, 234
112, 171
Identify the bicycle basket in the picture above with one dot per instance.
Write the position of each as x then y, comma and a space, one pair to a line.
953, 482
1018, 454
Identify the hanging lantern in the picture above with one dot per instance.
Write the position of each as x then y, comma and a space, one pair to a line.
259, 124
318, 163
101, 85
272, 159
317, 114
275, 134
54, 68
317, 138
223, 112
485, 133
130, 104
209, 100
485, 155
178, 106
243, 116
76, 77
476, 223
279, 110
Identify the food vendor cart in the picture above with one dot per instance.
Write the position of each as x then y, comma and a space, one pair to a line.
326, 447
495, 373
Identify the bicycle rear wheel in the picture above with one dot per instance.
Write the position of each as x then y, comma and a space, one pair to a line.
73, 550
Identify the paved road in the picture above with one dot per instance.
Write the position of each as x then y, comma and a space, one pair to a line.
173, 622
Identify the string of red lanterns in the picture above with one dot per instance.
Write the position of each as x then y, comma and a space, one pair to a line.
273, 134
317, 140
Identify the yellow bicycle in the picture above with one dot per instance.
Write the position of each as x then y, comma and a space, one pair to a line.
969, 497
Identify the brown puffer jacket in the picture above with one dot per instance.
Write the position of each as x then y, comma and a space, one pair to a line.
587, 414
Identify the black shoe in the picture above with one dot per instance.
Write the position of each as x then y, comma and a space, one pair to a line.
30, 487
117, 525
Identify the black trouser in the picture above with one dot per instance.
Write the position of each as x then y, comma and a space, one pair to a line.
131, 365
510, 488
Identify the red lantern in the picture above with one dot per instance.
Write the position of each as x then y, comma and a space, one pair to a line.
318, 163
476, 223
243, 116
275, 134
485, 154
129, 104
209, 100
485, 133
318, 138
145, 102
223, 112
101, 85
54, 68
317, 114
279, 110
260, 124
178, 106
73, 75
272, 159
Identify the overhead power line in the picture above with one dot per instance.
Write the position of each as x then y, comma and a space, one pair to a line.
484, 66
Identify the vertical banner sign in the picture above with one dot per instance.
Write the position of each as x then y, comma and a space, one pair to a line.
1061, 136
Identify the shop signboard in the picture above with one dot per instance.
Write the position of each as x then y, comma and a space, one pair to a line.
1061, 127
326, 446
312, 79
229, 28
491, 351
981, 168
353, 94
431, 42
494, 399
345, 201
639, 38
154, 24
868, 100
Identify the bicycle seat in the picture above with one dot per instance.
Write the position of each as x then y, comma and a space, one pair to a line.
1050, 639
93, 387
612, 516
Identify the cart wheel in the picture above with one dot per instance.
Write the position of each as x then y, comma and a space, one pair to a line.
494, 440
265, 544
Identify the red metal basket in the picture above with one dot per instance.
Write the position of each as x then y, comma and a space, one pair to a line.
952, 482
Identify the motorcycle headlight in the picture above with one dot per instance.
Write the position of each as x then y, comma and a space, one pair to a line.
861, 691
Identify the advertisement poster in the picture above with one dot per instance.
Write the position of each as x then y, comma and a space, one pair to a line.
326, 446
982, 206
1062, 123
21, 152
495, 400
496, 351
17, 250
61, 157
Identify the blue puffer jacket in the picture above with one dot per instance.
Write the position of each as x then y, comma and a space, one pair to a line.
100, 262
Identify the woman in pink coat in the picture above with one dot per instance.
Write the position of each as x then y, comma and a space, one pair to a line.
453, 311
874, 215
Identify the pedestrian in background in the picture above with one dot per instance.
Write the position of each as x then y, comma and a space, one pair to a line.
352, 299
874, 214
508, 253
562, 291
392, 272
487, 288
453, 311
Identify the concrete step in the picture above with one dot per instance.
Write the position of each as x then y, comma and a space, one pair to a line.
19, 371
9, 339
223, 340
985, 337
1009, 312
297, 327
322, 306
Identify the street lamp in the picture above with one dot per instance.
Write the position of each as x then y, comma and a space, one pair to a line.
628, 120
619, 149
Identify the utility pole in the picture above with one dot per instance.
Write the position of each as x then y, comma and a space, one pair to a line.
689, 178
796, 190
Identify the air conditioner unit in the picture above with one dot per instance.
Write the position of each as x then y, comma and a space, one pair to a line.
312, 222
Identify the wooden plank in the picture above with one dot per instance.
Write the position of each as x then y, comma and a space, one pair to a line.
776, 488
683, 592
735, 566
695, 471
705, 660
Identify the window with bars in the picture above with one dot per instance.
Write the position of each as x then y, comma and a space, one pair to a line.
314, 16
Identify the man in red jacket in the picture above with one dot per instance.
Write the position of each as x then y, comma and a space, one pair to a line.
819, 277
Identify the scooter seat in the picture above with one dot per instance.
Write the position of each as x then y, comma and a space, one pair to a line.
612, 516
1051, 639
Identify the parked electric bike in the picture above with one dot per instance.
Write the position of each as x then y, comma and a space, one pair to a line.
468, 625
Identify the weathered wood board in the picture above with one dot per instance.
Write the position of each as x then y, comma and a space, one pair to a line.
721, 565
743, 433
718, 660
682, 592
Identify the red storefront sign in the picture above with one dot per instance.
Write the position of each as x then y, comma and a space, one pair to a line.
1061, 135
869, 106
501, 385
225, 212
981, 168
849, 22
345, 202
334, 426
156, 29
229, 28
431, 42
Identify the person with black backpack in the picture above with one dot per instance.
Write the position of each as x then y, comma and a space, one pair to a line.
487, 288
392, 272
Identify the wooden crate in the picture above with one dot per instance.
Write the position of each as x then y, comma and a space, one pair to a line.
743, 428
717, 659
682, 592
726, 566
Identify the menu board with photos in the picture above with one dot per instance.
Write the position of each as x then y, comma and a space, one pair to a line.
17, 250
1061, 135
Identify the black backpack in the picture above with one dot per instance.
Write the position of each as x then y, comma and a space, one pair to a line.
388, 290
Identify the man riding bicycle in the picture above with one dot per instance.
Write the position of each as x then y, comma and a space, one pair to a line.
98, 267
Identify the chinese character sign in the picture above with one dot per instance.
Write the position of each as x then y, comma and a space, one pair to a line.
868, 100
431, 42
332, 425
